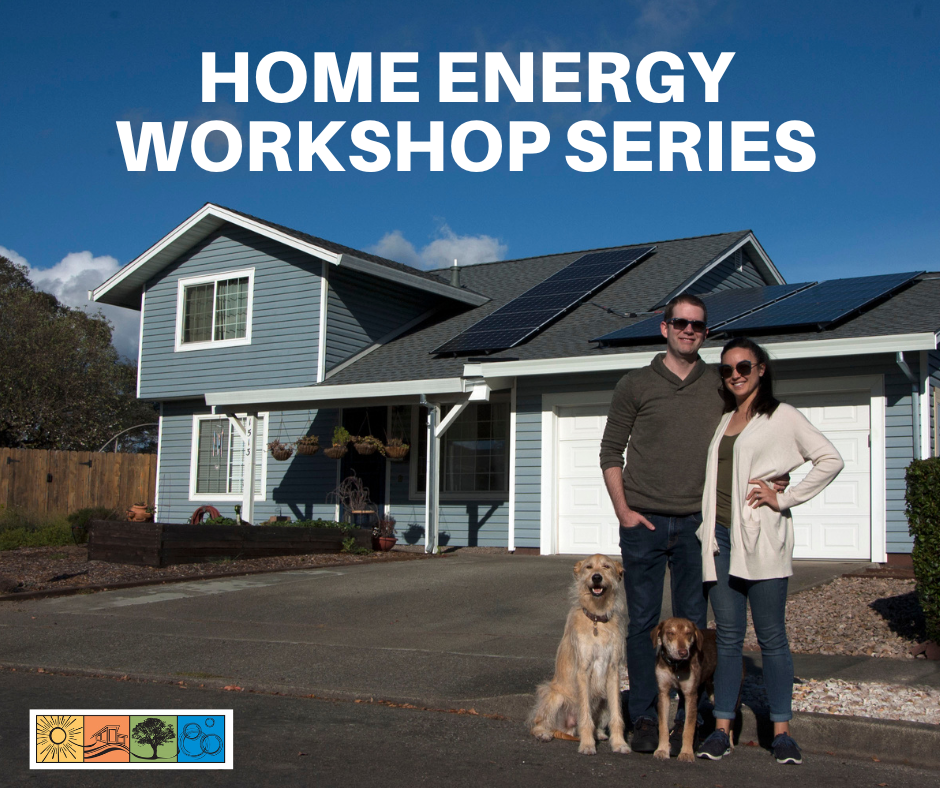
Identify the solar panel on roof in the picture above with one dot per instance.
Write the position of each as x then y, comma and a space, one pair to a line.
824, 303
522, 317
722, 307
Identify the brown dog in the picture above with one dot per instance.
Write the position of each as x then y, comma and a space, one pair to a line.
686, 657
584, 695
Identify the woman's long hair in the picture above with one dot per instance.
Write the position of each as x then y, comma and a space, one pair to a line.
765, 403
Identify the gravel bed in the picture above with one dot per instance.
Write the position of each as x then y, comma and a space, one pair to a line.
854, 616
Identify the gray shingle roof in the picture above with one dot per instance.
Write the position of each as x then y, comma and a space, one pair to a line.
409, 357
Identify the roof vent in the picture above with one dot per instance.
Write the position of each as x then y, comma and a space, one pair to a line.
455, 274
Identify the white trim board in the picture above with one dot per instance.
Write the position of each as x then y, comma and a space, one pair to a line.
779, 351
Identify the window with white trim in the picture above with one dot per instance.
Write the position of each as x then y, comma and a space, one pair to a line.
474, 453
218, 464
215, 310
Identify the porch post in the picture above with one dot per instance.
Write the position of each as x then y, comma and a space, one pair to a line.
432, 481
248, 484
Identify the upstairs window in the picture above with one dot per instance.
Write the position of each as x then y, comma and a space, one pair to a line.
214, 311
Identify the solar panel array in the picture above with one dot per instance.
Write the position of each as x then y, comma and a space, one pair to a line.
527, 314
823, 304
722, 307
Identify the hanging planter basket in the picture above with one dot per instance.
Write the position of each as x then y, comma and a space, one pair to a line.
367, 444
280, 451
336, 452
397, 452
308, 445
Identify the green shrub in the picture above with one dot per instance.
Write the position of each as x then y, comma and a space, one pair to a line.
79, 520
317, 524
350, 546
923, 515
18, 529
220, 520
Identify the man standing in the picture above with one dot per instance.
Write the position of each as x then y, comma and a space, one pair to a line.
668, 412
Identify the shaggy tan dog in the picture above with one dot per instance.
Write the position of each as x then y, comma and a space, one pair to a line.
584, 695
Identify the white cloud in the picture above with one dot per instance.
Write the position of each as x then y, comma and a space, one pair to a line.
71, 278
442, 250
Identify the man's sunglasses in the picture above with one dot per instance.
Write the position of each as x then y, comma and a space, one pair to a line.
680, 324
743, 368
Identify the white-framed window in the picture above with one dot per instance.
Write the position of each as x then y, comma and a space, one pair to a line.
474, 453
218, 459
215, 310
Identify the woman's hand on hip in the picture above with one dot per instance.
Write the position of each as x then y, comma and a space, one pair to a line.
762, 495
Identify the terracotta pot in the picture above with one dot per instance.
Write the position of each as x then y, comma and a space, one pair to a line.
139, 514
384, 543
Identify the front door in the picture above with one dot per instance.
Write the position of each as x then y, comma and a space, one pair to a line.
371, 467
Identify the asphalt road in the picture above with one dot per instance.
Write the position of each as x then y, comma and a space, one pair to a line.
284, 741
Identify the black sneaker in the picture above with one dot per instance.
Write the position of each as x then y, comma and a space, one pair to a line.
645, 735
786, 750
716, 746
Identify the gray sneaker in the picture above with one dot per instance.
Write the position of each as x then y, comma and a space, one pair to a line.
786, 750
716, 746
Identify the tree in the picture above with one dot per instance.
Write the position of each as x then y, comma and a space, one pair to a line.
153, 731
62, 384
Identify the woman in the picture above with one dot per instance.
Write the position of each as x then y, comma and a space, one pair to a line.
747, 534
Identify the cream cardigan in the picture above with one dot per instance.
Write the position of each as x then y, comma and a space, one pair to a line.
768, 447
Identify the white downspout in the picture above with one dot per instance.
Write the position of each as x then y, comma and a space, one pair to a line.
511, 537
915, 405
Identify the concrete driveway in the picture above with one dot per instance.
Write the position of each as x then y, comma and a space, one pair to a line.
463, 629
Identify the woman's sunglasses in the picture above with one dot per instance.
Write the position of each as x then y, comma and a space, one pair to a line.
680, 324
743, 369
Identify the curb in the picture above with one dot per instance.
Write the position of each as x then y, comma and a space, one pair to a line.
915, 744
72, 590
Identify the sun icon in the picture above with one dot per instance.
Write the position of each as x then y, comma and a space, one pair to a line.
58, 739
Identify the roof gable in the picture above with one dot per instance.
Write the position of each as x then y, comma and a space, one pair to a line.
124, 288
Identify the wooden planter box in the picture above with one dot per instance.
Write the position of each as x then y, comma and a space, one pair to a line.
163, 544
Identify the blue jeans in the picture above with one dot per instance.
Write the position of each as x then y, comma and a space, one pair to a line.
645, 556
768, 598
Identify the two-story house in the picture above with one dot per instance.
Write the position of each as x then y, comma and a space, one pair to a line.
251, 328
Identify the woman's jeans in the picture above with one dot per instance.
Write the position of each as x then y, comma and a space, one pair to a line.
729, 598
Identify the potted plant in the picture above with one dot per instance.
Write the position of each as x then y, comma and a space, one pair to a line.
308, 444
140, 513
383, 534
341, 437
368, 444
396, 449
280, 451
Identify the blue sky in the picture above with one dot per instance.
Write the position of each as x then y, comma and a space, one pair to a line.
863, 75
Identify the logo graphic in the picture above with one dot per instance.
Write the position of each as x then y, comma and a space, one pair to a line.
119, 739
58, 738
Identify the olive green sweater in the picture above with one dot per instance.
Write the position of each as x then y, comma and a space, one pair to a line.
669, 423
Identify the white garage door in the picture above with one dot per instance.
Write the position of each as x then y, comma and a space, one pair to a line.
586, 521
834, 525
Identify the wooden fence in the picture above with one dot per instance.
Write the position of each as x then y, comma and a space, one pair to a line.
58, 482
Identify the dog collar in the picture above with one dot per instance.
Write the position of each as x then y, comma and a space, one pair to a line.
596, 619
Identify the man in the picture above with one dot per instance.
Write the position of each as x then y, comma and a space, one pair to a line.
668, 412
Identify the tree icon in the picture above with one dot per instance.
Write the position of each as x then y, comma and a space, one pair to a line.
154, 732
